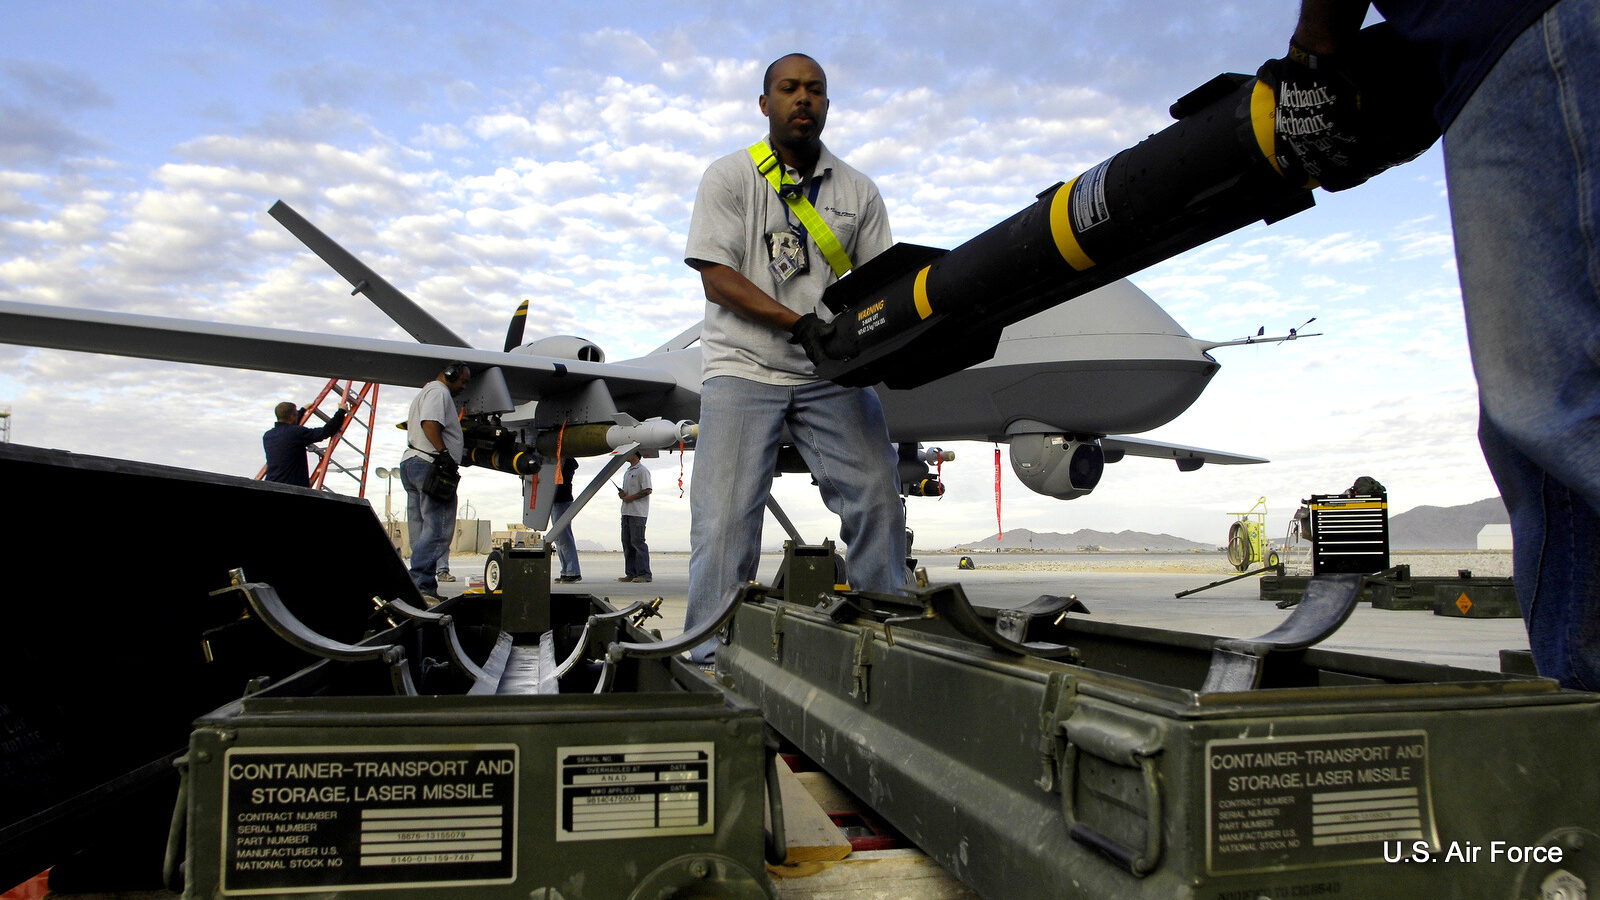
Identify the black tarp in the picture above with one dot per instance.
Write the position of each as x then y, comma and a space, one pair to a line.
106, 608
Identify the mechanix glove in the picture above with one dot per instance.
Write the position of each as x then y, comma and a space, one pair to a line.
1318, 125
820, 340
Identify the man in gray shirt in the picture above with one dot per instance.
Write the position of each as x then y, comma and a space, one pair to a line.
635, 496
433, 430
764, 273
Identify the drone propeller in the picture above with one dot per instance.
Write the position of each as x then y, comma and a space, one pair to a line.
519, 320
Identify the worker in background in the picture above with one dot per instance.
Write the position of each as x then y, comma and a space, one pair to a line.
635, 496
566, 544
429, 471
286, 441
1521, 120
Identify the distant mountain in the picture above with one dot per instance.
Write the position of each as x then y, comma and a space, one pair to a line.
1445, 528
1023, 539
1422, 528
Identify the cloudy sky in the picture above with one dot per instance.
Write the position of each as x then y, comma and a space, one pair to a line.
479, 154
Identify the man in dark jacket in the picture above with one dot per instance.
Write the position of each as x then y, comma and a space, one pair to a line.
286, 444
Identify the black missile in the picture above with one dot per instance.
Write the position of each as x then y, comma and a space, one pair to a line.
515, 458
914, 313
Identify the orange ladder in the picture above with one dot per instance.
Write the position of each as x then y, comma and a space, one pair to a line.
363, 411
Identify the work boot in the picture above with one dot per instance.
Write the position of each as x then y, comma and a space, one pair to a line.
639, 579
627, 578
445, 576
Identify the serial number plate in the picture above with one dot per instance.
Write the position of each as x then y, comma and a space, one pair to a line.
634, 790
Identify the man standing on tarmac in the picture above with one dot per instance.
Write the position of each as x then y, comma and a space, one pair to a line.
434, 440
566, 544
772, 227
635, 495
286, 442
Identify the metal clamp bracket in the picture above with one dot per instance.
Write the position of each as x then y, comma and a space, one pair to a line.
1013, 624
270, 608
688, 640
447, 624
1237, 664
950, 602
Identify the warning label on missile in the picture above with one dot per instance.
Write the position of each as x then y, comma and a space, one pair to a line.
634, 790
1089, 207
1276, 803
306, 819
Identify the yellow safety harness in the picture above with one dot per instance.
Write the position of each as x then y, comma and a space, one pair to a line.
772, 170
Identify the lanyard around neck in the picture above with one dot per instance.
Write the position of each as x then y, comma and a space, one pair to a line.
772, 170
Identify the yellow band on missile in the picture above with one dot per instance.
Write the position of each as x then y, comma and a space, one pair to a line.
1061, 229
919, 294
1263, 120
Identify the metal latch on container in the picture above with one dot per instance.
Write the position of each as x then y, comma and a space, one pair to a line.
1110, 795
1059, 693
863, 664
777, 633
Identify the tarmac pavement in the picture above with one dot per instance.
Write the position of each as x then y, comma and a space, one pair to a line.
1133, 598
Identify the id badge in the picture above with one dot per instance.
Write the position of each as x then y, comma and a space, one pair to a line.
788, 255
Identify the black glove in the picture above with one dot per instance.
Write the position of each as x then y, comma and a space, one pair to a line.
821, 340
1318, 125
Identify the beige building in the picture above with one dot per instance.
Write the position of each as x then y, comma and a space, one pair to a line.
1495, 537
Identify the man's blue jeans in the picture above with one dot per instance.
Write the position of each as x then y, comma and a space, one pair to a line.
841, 434
1523, 166
635, 552
566, 546
435, 528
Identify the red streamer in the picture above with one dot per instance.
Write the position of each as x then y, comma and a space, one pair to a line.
1000, 534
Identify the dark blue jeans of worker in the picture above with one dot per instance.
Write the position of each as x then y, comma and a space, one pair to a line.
566, 546
1522, 162
435, 528
843, 437
635, 552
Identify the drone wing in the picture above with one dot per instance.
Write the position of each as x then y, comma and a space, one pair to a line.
1187, 458
527, 377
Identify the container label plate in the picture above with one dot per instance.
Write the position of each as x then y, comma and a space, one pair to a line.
307, 819
634, 790
1286, 803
